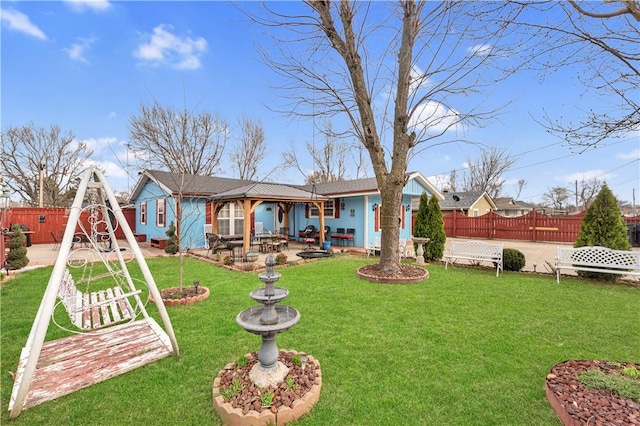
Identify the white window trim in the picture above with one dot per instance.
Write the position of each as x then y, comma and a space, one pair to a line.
312, 209
161, 204
143, 213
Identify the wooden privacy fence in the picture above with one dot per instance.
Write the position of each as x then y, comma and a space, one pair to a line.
43, 220
533, 226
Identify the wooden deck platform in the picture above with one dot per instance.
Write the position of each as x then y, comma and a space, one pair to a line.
75, 362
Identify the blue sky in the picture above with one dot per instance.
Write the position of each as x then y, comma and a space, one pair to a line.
88, 66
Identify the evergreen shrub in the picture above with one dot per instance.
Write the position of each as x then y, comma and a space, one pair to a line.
513, 260
17, 256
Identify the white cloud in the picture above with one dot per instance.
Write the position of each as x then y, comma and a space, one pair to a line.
20, 22
586, 175
113, 115
480, 50
631, 155
94, 5
77, 50
166, 48
433, 117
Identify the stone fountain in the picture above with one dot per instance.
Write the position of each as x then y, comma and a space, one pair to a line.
267, 320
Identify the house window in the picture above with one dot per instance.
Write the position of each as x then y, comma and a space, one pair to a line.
329, 210
161, 217
476, 213
143, 213
231, 219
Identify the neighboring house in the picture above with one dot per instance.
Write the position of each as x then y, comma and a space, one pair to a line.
470, 203
508, 207
223, 206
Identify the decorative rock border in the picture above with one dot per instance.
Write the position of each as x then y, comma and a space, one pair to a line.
233, 416
393, 279
185, 301
564, 417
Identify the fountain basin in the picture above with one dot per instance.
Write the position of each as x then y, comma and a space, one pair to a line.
249, 319
259, 294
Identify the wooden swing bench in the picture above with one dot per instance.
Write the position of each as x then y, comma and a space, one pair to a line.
89, 311
76, 362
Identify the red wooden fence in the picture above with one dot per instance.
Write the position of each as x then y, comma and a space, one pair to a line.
54, 219
533, 226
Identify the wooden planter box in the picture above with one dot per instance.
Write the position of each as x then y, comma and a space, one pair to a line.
160, 243
141, 238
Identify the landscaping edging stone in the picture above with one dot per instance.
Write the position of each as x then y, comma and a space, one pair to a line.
564, 417
391, 279
186, 301
231, 416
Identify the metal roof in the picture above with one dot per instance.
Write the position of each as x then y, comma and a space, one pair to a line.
269, 191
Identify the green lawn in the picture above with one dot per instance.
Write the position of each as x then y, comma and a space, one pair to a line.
461, 348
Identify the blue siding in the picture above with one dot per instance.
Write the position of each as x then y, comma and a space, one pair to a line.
352, 212
149, 194
193, 216
414, 188
266, 217
193, 221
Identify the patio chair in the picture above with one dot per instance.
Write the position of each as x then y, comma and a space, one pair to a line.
309, 237
284, 238
216, 243
349, 237
337, 235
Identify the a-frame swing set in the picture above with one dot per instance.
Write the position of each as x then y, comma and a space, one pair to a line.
113, 332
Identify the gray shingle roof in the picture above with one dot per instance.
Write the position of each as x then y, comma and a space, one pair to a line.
195, 184
222, 188
465, 200
345, 186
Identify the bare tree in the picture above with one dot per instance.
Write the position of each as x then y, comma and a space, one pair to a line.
603, 36
521, 184
28, 150
586, 191
398, 72
178, 141
247, 155
556, 197
329, 161
485, 173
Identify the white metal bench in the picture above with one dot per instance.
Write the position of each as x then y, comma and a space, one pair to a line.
373, 248
598, 259
376, 247
97, 309
477, 251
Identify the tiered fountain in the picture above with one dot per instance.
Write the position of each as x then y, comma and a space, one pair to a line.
267, 320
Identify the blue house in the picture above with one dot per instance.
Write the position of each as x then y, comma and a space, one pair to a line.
223, 206
356, 204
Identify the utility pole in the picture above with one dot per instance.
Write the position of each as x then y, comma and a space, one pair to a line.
41, 201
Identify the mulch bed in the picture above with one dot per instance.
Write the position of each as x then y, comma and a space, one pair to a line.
185, 293
586, 406
249, 397
404, 275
